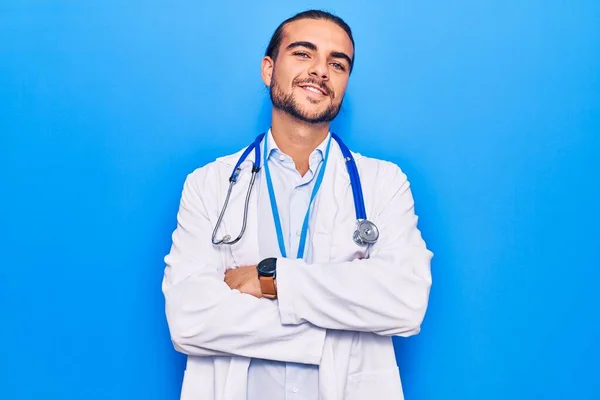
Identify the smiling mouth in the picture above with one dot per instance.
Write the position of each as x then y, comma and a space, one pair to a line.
314, 89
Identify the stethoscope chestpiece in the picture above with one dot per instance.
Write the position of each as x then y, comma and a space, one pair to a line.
366, 233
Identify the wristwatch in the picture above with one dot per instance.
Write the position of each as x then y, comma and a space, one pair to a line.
267, 271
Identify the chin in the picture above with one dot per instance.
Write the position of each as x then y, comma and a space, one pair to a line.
312, 106
312, 113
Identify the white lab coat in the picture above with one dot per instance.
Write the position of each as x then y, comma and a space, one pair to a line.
339, 312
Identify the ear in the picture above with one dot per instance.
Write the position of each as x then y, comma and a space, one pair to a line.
266, 70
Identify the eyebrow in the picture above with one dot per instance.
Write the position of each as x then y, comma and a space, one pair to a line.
313, 47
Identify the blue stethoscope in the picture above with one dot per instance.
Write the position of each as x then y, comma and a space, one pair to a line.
366, 232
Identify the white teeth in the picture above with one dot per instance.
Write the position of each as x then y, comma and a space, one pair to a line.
312, 89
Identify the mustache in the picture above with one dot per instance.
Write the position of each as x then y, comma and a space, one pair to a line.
315, 82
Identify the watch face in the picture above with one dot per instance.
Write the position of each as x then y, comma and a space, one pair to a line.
267, 267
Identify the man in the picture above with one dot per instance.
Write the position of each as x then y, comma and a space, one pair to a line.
314, 319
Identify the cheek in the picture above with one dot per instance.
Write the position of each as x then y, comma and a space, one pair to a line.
287, 73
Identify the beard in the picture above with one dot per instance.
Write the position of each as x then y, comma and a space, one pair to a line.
287, 103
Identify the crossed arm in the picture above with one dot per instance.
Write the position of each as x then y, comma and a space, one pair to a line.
207, 317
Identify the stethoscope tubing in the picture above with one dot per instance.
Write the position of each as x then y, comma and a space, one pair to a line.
354, 178
359, 204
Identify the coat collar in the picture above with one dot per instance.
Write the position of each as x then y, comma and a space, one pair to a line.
231, 159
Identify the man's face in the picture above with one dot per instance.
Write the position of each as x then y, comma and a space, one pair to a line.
310, 75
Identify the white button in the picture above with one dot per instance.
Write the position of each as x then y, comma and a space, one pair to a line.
281, 157
295, 389
298, 233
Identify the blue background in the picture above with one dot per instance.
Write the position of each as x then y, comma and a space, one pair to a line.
492, 108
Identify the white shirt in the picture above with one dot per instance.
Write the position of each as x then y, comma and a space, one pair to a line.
272, 380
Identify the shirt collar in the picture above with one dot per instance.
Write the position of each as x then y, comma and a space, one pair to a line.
274, 151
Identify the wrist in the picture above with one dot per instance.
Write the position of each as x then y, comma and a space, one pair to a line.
267, 273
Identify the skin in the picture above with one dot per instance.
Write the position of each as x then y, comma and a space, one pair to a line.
313, 53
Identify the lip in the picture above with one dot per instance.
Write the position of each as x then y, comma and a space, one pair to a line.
313, 87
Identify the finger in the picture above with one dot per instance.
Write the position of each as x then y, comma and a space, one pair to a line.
230, 274
233, 283
229, 280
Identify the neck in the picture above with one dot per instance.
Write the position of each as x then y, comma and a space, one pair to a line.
296, 138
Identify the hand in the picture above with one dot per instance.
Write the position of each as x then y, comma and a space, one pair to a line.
244, 279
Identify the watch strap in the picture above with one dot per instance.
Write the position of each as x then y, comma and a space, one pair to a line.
268, 287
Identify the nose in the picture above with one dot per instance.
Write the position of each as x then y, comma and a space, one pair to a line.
319, 69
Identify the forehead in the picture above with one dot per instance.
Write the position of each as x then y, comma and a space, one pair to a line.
326, 35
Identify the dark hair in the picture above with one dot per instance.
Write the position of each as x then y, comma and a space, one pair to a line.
275, 43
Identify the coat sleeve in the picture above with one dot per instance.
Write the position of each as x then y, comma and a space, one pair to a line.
386, 294
207, 318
